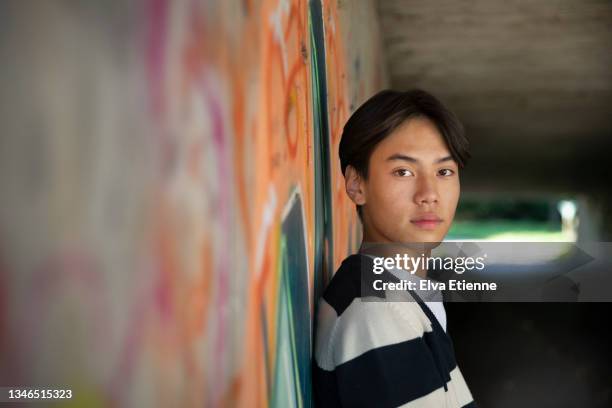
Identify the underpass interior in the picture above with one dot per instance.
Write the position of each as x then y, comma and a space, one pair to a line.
532, 83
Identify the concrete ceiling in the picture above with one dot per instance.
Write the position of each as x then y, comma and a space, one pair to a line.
531, 81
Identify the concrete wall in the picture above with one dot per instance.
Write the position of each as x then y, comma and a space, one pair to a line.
171, 194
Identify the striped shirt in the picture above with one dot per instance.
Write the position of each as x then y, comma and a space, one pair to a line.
381, 353
433, 297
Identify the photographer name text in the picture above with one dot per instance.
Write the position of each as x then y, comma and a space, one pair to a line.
430, 285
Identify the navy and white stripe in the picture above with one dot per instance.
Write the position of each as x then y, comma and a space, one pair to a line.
381, 353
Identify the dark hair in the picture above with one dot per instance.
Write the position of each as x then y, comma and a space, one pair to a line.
384, 112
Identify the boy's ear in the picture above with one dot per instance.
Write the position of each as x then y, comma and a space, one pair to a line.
354, 185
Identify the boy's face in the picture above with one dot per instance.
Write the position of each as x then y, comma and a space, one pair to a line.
412, 188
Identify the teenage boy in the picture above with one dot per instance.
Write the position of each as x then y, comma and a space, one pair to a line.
400, 155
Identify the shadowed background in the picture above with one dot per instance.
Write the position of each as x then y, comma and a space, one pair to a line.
532, 83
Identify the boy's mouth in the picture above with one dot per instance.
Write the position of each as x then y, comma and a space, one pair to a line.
427, 221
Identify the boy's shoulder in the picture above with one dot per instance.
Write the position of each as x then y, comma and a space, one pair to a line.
350, 269
352, 280
345, 285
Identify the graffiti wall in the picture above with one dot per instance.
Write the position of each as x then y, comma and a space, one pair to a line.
172, 202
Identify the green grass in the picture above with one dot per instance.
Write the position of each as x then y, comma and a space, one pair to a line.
503, 230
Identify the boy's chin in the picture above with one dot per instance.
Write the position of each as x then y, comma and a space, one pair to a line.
426, 237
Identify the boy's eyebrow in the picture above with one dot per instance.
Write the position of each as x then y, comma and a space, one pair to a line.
399, 156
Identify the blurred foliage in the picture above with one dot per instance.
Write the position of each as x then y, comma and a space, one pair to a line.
508, 220
509, 209
506, 230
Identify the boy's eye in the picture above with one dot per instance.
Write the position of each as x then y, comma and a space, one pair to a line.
446, 172
403, 173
